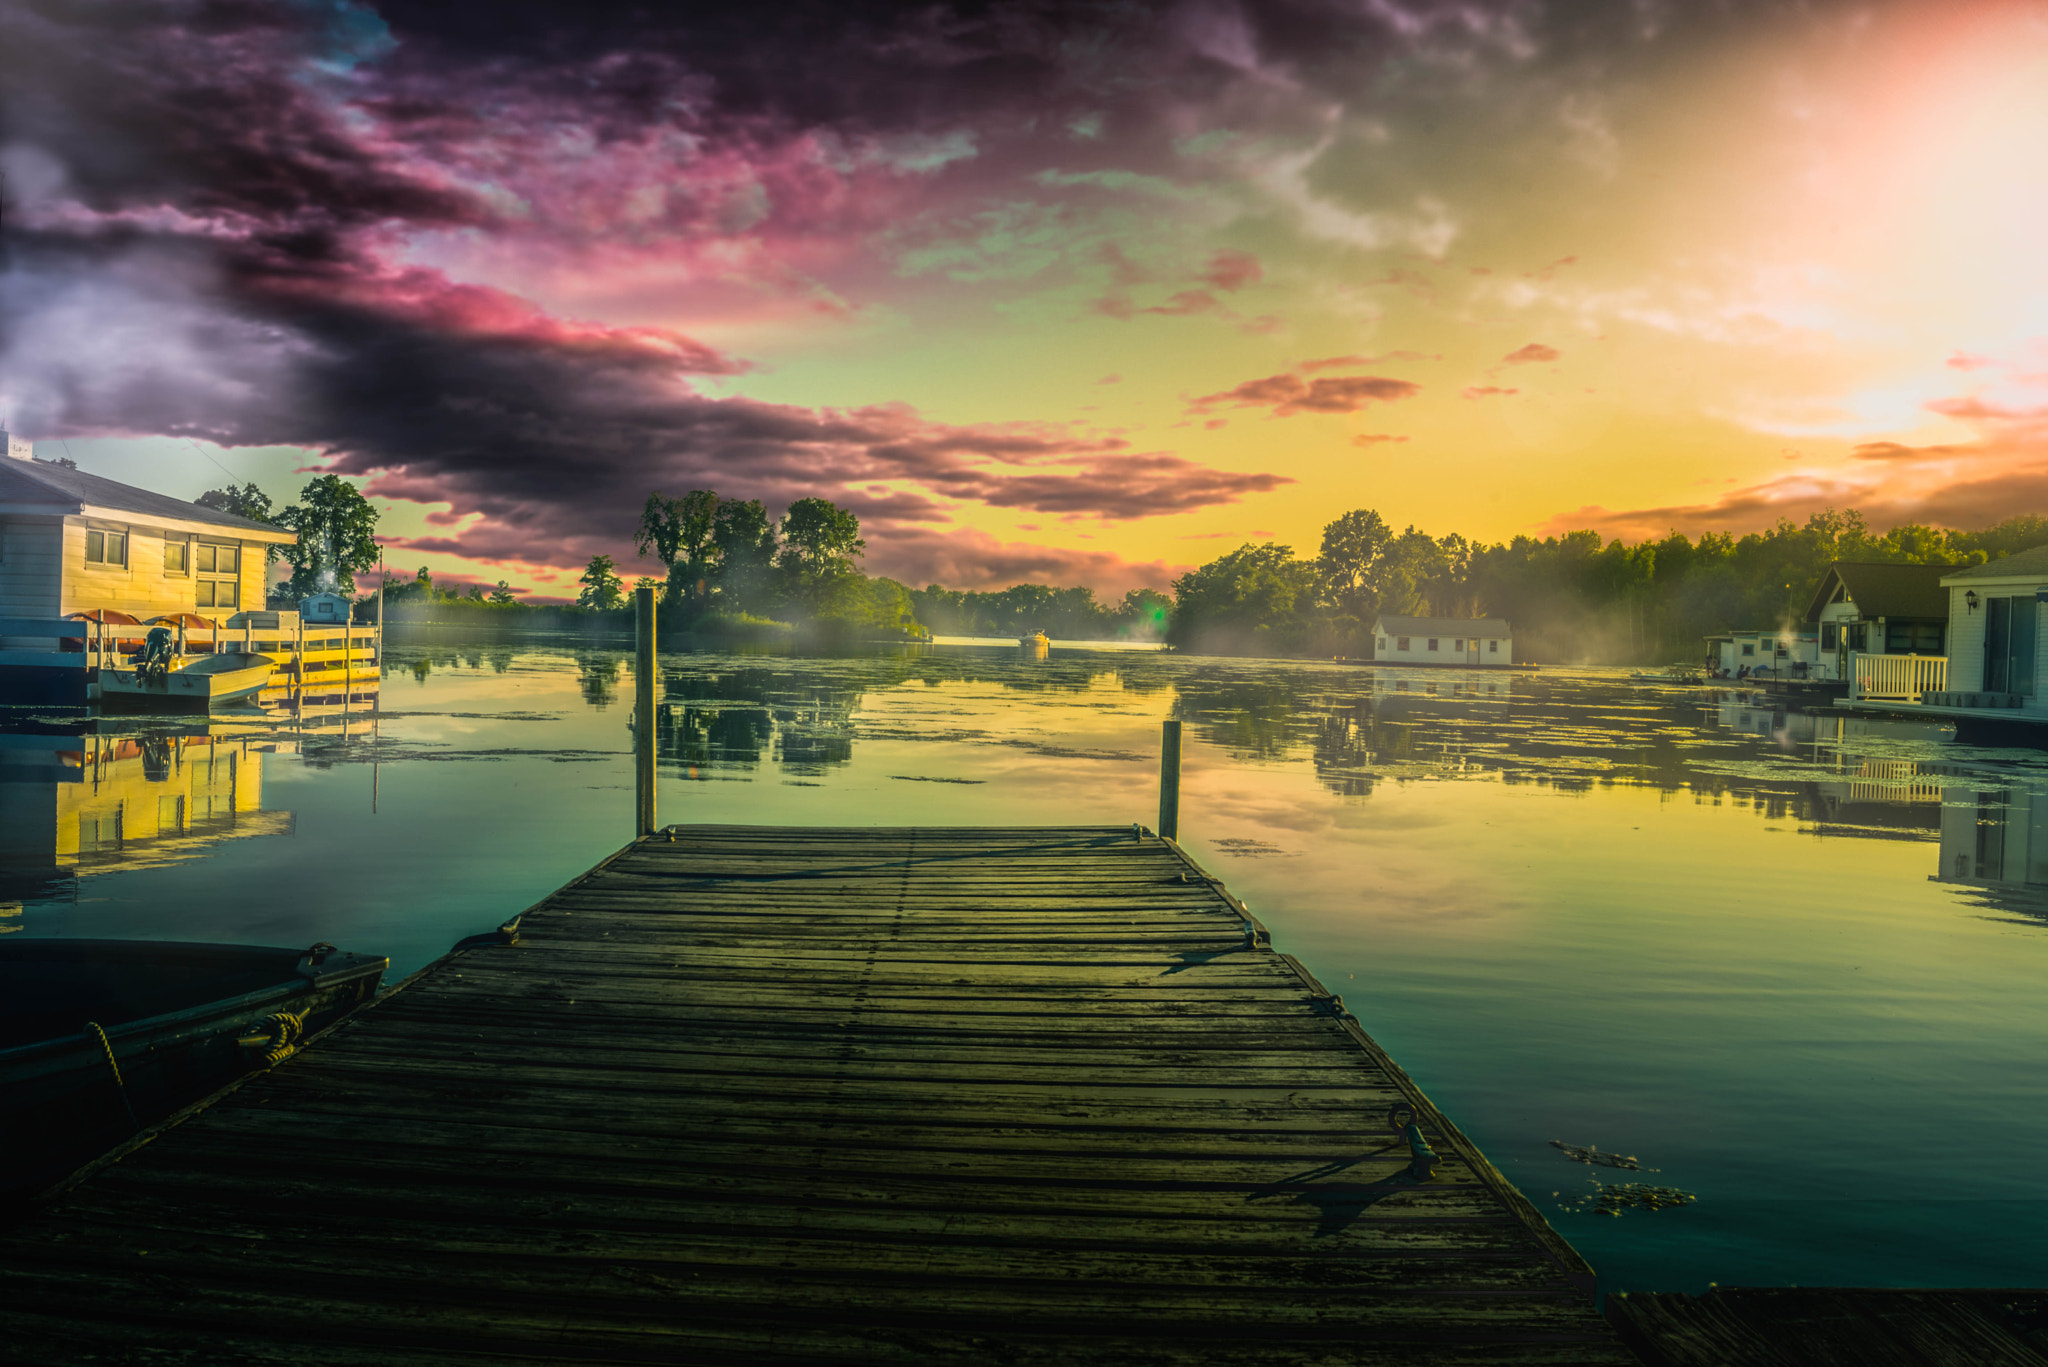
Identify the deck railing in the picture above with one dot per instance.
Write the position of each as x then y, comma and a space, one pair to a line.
1896, 678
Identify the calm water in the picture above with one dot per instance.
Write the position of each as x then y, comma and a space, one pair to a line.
1798, 966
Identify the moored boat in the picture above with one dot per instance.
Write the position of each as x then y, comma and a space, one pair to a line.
100, 1037
1036, 640
206, 682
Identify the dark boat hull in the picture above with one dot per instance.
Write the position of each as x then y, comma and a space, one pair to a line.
180, 1021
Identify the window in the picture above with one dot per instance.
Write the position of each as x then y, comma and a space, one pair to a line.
1492, 648
1459, 645
1432, 643
1912, 638
217, 593
106, 548
1402, 643
1383, 643
1859, 636
1748, 649
177, 554
1830, 636
221, 560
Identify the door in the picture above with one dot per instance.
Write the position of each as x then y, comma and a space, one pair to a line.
2009, 645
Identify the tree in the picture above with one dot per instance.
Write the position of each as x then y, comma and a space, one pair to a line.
743, 544
337, 537
820, 541
243, 500
1248, 599
602, 587
1349, 566
502, 595
679, 532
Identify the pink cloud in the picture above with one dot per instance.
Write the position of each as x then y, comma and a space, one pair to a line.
1963, 360
1373, 439
1287, 395
1550, 270
1345, 362
1532, 353
1482, 391
1230, 270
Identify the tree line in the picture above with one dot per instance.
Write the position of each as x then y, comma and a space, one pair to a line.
1570, 598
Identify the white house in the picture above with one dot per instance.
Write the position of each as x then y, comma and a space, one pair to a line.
1995, 641
1878, 609
1773, 654
1467, 641
70, 542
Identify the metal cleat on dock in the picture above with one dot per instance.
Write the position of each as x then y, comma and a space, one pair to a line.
1422, 1159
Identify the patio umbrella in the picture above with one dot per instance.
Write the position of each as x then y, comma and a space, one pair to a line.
110, 617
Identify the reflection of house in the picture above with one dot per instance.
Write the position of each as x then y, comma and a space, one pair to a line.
72, 803
1993, 838
70, 541
1466, 641
1879, 610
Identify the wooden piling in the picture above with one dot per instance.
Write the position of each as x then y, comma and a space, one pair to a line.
1169, 779
643, 711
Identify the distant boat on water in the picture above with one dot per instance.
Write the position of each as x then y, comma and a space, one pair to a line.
1037, 643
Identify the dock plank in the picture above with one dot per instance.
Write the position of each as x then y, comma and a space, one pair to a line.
846, 1096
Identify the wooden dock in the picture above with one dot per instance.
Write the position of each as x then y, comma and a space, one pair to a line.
770, 1096
1827, 1326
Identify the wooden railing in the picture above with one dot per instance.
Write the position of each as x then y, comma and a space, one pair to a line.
1896, 678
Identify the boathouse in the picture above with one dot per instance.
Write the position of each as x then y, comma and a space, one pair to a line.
1881, 609
1467, 641
71, 542
1995, 641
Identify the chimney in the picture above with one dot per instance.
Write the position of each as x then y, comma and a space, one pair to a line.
17, 447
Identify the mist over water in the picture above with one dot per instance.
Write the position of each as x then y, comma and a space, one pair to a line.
1790, 963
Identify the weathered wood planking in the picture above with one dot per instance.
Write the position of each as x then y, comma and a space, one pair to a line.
820, 1096
1796, 1326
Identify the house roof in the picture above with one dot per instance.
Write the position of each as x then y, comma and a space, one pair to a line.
2028, 564
74, 491
1885, 590
1443, 626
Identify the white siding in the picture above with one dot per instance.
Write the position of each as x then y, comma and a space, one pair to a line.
144, 587
31, 566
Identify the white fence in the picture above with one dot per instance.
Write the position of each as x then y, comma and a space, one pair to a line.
1896, 678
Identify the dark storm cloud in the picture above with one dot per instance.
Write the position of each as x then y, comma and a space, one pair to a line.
210, 205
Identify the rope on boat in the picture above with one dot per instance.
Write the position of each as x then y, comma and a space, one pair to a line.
107, 1048
278, 1036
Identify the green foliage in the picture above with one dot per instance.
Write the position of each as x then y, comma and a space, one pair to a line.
1570, 598
1070, 614
1256, 599
337, 528
820, 542
502, 595
602, 588
243, 500
679, 532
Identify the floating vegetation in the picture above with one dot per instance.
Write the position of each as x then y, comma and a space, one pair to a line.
1247, 847
923, 778
1593, 1153
1613, 1200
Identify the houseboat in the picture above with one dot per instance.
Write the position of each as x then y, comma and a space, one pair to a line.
89, 565
1465, 642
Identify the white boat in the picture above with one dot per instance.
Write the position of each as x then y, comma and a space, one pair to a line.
1037, 640
206, 682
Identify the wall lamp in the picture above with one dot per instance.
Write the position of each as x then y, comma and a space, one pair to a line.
1971, 598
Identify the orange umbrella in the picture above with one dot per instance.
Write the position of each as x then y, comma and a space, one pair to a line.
111, 617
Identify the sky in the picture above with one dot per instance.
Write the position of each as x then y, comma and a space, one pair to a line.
1071, 293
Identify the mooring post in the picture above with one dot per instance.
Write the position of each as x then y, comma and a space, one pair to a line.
643, 711
1169, 780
